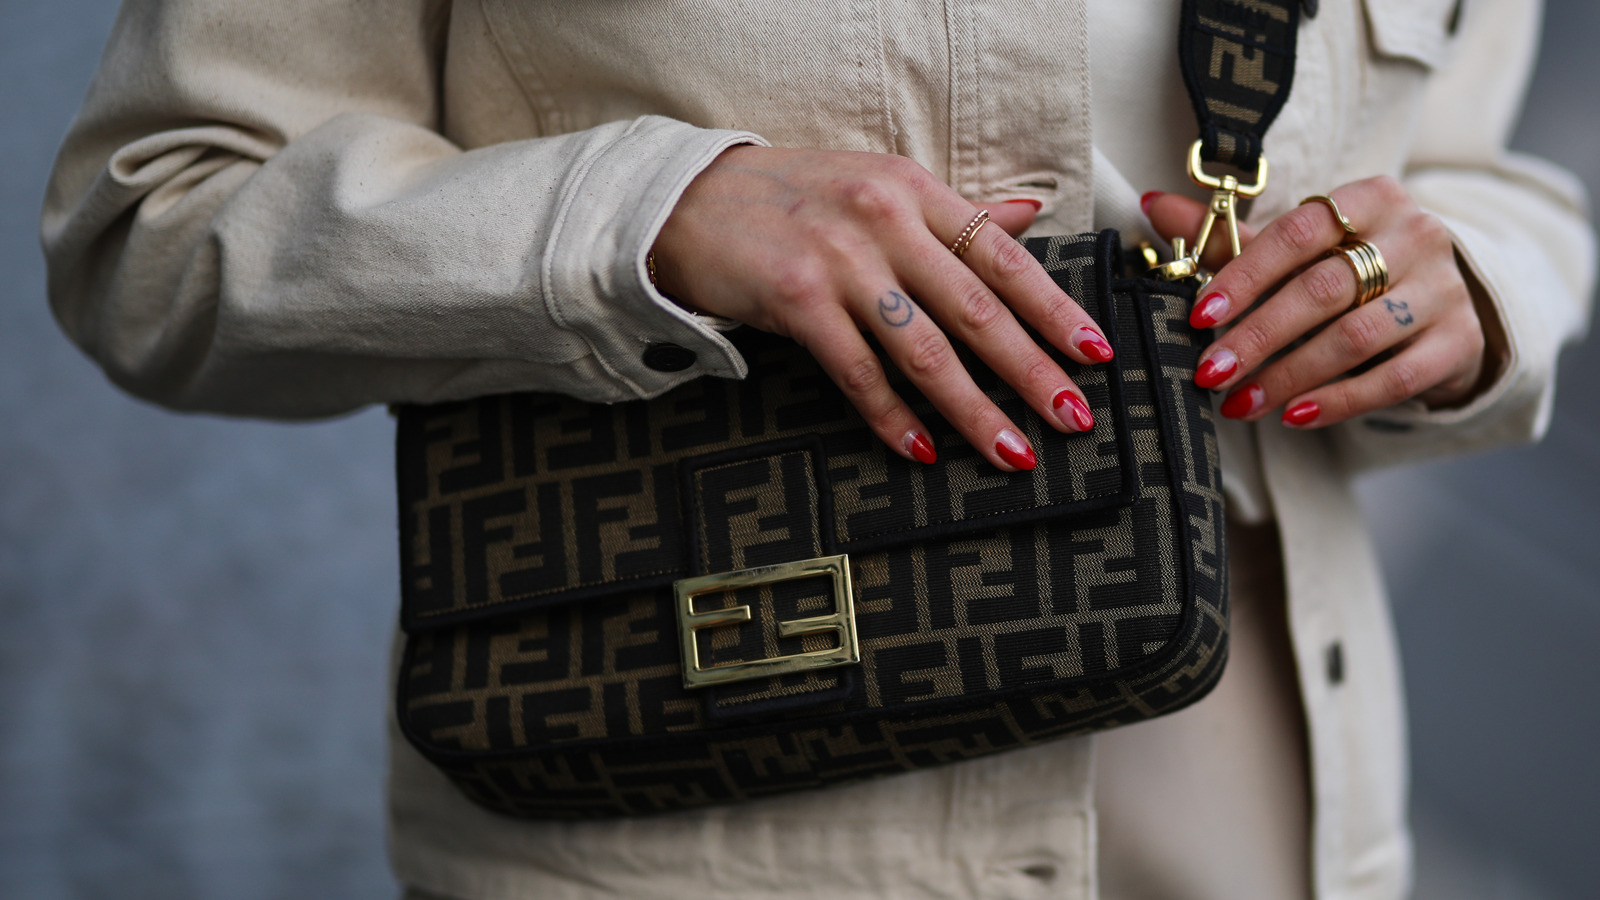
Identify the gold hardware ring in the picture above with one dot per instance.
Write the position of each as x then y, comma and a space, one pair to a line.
1372, 273
964, 240
1329, 202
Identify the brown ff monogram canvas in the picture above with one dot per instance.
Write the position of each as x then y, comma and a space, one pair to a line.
542, 537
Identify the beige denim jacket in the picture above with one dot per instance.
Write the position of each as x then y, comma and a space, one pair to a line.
297, 208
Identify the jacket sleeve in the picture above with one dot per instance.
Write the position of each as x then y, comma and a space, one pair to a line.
1522, 237
254, 213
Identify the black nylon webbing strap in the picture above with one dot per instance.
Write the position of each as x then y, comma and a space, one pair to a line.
1237, 58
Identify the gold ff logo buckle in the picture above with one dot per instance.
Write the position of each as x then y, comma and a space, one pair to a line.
841, 621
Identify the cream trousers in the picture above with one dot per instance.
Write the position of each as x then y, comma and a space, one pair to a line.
1212, 803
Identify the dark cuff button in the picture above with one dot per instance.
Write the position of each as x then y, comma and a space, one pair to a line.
668, 357
1335, 655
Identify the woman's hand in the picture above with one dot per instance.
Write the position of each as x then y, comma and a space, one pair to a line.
819, 245
1426, 318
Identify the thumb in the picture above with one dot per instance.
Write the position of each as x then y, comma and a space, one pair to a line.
1015, 216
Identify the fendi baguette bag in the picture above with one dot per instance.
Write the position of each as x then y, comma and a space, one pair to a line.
735, 590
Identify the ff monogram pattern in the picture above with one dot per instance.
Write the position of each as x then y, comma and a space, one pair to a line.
541, 537
1237, 58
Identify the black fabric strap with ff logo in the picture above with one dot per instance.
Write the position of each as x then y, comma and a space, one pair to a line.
1237, 58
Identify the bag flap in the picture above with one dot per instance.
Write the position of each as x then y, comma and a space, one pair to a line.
532, 500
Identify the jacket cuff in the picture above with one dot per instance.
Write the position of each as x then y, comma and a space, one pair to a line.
594, 278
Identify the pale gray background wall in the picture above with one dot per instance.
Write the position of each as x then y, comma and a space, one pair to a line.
195, 610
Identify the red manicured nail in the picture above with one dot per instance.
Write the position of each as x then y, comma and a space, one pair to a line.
1302, 414
1091, 344
1147, 198
920, 448
1217, 368
1072, 412
1209, 311
1010, 446
1244, 401
1036, 204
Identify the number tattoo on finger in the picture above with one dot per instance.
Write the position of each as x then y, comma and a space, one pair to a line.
1401, 312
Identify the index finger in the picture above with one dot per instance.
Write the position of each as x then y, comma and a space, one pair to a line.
1001, 262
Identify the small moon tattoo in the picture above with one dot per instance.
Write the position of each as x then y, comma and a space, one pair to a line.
896, 309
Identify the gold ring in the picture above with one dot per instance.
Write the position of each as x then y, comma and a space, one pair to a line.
1372, 273
964, 240
1325, 199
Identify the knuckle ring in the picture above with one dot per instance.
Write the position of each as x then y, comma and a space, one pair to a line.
1329, 202
1372, 273
964, 239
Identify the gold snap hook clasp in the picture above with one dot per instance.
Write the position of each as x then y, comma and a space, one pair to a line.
1225, 194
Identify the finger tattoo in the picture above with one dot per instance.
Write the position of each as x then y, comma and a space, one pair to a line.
896, 309
1401, 312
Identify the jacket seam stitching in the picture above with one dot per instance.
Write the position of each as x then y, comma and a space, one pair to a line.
518, 72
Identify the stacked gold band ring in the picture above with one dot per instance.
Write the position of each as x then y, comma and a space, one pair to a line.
964, 240
1372, 273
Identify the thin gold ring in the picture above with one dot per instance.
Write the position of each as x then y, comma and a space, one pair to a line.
964, 240
1329, 201
1372, 273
